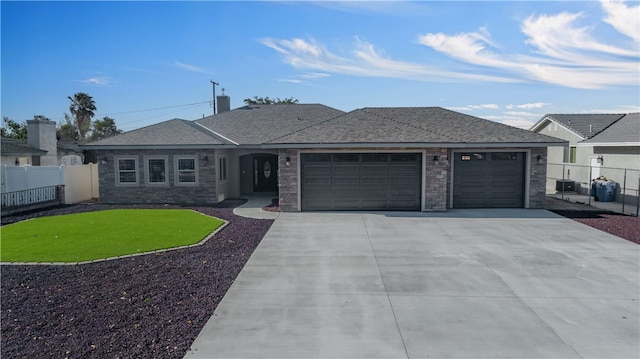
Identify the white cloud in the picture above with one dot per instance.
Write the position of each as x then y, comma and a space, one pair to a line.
563, 50
191, 68
528, 106
488, 106
623, 18
99, 80
514, 121
522, 114
364, 60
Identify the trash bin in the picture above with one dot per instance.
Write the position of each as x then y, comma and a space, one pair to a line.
605, 191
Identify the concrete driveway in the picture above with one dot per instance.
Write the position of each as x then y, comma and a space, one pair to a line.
461, 284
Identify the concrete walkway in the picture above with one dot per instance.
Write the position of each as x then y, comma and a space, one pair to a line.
253, 207
461, 284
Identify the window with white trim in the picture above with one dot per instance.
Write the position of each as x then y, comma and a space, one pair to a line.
186, 171
157, 170
222, 169
126, 171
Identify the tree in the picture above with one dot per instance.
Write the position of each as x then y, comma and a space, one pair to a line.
82, 107
269, 101
13, 129
104, 128
67, 131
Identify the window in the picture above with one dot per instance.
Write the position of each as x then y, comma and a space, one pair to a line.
157, 170
186, 170
222, 169
126, 171
572, 154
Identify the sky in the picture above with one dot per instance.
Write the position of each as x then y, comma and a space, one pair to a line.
151, 61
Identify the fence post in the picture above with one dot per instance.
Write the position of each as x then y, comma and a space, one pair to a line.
562, 187
590, 182
638, 198
624, 186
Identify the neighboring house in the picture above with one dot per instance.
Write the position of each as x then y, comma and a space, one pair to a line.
589, 134
599, 145
313, 157
19, 153
41, 148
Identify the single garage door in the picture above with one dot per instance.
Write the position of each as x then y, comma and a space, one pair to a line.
489, 180
361, 181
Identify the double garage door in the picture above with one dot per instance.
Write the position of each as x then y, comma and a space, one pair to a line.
361, 181
392, 181
489, 180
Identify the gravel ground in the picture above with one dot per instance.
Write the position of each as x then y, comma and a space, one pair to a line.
152, 306
621, 225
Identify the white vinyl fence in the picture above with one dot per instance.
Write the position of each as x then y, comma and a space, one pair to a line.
81, 182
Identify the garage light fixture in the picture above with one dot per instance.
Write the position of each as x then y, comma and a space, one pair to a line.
287, 160
600, 160
436, 159
540, 159
104, 160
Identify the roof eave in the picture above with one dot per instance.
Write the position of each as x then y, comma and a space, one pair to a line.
608, 144
156, 147
417, 145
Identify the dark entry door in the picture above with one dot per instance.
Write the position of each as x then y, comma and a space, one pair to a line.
265, 174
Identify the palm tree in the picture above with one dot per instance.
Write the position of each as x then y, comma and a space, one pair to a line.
82, 107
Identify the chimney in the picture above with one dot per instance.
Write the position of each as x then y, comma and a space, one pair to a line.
224, 103
41, 134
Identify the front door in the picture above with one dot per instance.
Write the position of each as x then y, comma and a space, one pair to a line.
265, 174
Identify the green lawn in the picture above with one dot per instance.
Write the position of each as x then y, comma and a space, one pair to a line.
103, 234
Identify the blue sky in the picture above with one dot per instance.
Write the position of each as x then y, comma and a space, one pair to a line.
147, 62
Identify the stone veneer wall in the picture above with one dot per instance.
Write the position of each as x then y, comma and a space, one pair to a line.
288, 180
202, 194
538, 178
436, 184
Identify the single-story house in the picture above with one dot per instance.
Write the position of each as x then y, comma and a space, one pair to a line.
19, 153
599, 145
41, 148
612, 140
313, 157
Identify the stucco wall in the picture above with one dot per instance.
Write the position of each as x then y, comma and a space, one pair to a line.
203, 193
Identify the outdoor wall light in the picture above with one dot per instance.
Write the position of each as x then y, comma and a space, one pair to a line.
205, 159
104, 160
436, 159
600, 160
287, 160
17, 161
540, 159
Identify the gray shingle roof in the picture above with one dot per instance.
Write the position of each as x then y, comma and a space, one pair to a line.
417, 125
255, 125
625, 130
12, 147
585, 125
174, 132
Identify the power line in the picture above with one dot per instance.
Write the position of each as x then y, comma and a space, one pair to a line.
153, 109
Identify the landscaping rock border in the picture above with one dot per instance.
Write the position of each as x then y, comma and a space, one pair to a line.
150, 306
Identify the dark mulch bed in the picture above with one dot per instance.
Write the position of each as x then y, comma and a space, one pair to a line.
621, 225
150, 306
624, 226
274, 206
